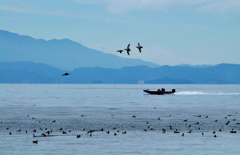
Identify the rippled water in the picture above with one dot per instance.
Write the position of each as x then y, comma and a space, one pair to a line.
93, 107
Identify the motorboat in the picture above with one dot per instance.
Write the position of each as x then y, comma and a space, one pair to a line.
160, 92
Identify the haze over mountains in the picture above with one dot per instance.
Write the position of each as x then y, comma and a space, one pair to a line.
63, 54
27, 60
29, 72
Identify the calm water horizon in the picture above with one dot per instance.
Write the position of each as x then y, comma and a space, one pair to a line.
80, 108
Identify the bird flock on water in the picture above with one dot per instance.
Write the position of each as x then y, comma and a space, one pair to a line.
192, 127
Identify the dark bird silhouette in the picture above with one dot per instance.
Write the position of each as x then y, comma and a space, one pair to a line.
120, 51
139, 47
128, 49
66, 74
35, 141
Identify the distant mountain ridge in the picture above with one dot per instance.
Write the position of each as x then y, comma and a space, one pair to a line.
29, 72
63, 54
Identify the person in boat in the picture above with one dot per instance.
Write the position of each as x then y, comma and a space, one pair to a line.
158, 90
163, 89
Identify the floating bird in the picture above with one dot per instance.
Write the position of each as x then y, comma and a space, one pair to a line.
44, 135
128, 49
139, 47
66, 74
120, 51
233, 131
35, 141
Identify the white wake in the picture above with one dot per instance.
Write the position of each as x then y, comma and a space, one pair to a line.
204, 93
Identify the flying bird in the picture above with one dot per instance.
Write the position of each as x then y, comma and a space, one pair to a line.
128, 49
139, 47
120, 51
66, 74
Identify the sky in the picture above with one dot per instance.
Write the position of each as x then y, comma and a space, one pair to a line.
172, 32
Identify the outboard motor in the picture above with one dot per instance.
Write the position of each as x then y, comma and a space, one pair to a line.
173, 90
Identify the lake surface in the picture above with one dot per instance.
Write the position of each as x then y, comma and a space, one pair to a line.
77, 107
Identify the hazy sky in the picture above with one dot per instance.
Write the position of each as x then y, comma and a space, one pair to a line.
171, 31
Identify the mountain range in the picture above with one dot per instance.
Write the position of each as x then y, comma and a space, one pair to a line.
29, 72
24, 59
63, 54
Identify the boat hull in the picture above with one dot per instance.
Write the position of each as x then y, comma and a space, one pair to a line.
160, 92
